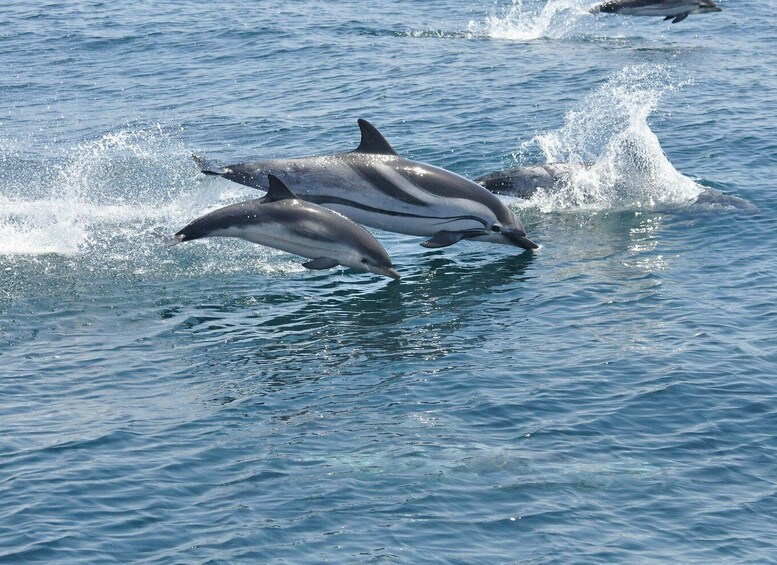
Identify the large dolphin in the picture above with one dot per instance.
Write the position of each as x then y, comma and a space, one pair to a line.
524, 182
374, 186
675, 10
283, 221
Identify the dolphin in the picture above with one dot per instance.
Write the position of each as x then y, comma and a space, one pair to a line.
283, 221
524, 182
675, 10
376, 187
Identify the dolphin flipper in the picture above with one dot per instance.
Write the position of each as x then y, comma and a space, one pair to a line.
669, 18
680, 18
444, 239
207, 167
321, 263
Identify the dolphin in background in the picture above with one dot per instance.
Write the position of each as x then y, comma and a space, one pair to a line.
374, 186
675, 10
283, 221
525, 182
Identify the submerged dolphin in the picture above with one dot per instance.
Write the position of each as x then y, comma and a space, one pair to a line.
675, 10
524, 182
374, 186
283, 221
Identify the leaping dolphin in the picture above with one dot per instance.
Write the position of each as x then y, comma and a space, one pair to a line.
675, 10
375, 186
283, 221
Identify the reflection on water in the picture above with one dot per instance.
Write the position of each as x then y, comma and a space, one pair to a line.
336, 326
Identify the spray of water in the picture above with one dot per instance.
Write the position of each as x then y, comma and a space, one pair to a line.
530, 20
617, 160
60, 210
107, 202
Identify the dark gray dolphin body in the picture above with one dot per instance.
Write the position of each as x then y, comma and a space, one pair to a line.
283, 221
524, 182
675, 10
375, 186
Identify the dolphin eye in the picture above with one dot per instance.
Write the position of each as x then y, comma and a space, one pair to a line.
365, 260
496, 228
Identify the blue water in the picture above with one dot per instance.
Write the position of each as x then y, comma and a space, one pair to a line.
610, 398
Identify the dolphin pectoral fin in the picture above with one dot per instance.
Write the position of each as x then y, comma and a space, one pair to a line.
444, 239
208, 168
680, 18
669, 18
321, 263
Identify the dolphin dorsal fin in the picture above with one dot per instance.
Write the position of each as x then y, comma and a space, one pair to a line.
277, 190
373, 141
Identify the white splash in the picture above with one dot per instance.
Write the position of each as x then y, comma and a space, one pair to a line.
527, 21
121, 187
35, 227
618, 162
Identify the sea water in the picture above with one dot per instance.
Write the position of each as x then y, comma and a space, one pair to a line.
609, 398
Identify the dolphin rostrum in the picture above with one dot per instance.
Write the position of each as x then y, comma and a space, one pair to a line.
675, 10
283, 221
374, 186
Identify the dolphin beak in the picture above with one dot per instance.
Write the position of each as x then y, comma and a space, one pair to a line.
520, 240
391, 272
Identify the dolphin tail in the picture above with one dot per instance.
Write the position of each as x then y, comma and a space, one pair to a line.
208, 167
172, 240
167, 240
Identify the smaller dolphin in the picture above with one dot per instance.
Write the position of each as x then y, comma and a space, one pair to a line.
283, 221
675, 10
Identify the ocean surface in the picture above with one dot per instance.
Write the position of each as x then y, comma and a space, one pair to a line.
611, 398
